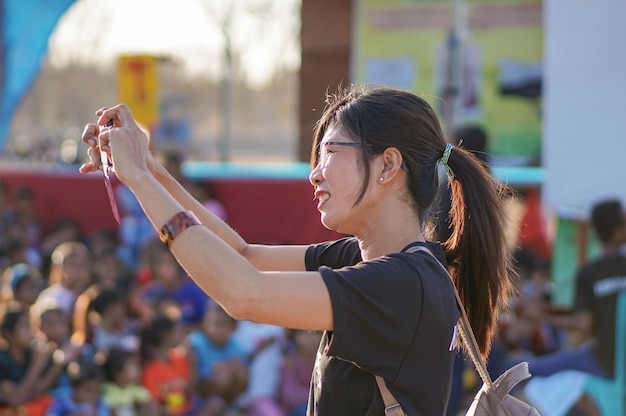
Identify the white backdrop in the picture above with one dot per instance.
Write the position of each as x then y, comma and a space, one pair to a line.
584, 124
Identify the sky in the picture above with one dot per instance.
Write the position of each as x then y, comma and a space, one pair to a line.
264, 34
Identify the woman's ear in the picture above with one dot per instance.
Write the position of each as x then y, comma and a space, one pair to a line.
392, 163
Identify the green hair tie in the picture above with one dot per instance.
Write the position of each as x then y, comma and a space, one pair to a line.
444, 161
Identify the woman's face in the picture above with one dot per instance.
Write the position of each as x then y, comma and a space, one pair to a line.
338, 180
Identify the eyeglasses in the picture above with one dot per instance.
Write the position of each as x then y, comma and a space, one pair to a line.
322, 155
106, 168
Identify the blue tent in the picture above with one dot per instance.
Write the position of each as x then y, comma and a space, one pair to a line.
25, 26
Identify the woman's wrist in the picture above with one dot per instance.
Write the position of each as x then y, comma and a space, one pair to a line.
138, 177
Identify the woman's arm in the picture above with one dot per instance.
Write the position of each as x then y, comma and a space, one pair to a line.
230, 275
266, 258
290, 299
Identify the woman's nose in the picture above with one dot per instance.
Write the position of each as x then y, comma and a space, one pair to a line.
315, 177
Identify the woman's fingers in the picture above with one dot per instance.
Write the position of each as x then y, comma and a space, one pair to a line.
90, 134
94, 163
120, 114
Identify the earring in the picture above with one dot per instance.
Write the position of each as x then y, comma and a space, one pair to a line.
381, 179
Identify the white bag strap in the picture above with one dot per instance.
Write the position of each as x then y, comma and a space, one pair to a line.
392, 407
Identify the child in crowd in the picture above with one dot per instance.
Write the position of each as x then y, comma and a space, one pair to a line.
109, 272
25, 370
65, 229
123, 393
222, 375
110, 326
70, 274
21, 283
166, 369
264, 347
169, 280
52, 325
86, 398
296, 371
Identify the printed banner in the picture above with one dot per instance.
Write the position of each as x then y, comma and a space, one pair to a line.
139, 86
488, 70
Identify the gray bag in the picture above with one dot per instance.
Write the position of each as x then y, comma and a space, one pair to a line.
493, 399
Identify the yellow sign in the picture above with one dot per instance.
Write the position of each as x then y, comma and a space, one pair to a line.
139, 86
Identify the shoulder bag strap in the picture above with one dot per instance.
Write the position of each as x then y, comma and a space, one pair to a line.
392, 407
465, 329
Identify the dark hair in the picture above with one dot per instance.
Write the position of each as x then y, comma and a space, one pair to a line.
478, 258
606, 217
10, 315
84, 369
114, 362
216, 307
152, 336
104, 300
472, 137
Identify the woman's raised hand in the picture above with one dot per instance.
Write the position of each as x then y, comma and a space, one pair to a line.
124, 141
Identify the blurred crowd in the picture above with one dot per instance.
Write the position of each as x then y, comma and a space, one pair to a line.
110, 324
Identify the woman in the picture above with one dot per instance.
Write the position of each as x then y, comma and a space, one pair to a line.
384, 311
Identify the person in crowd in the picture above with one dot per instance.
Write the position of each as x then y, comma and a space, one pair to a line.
110, 326
123, 393
52, 325
169, 280
386, 309
86, 396
109, 274
21, 283
166, 368
221, 361
28, 367
65, 229
296, 371
69, 276
598, 282
264, 346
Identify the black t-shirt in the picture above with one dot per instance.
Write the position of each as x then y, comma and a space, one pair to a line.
394, 316
597, 285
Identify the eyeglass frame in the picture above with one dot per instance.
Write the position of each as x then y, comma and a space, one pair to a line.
351, 144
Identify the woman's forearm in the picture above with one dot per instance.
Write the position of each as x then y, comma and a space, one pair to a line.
214, 265
208, 219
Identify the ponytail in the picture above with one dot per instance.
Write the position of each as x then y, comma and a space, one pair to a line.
478, 258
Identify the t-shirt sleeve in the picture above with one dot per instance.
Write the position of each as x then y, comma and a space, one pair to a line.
376, 310
334, 254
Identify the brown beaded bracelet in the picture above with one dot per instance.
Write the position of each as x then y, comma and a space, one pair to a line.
176, 225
